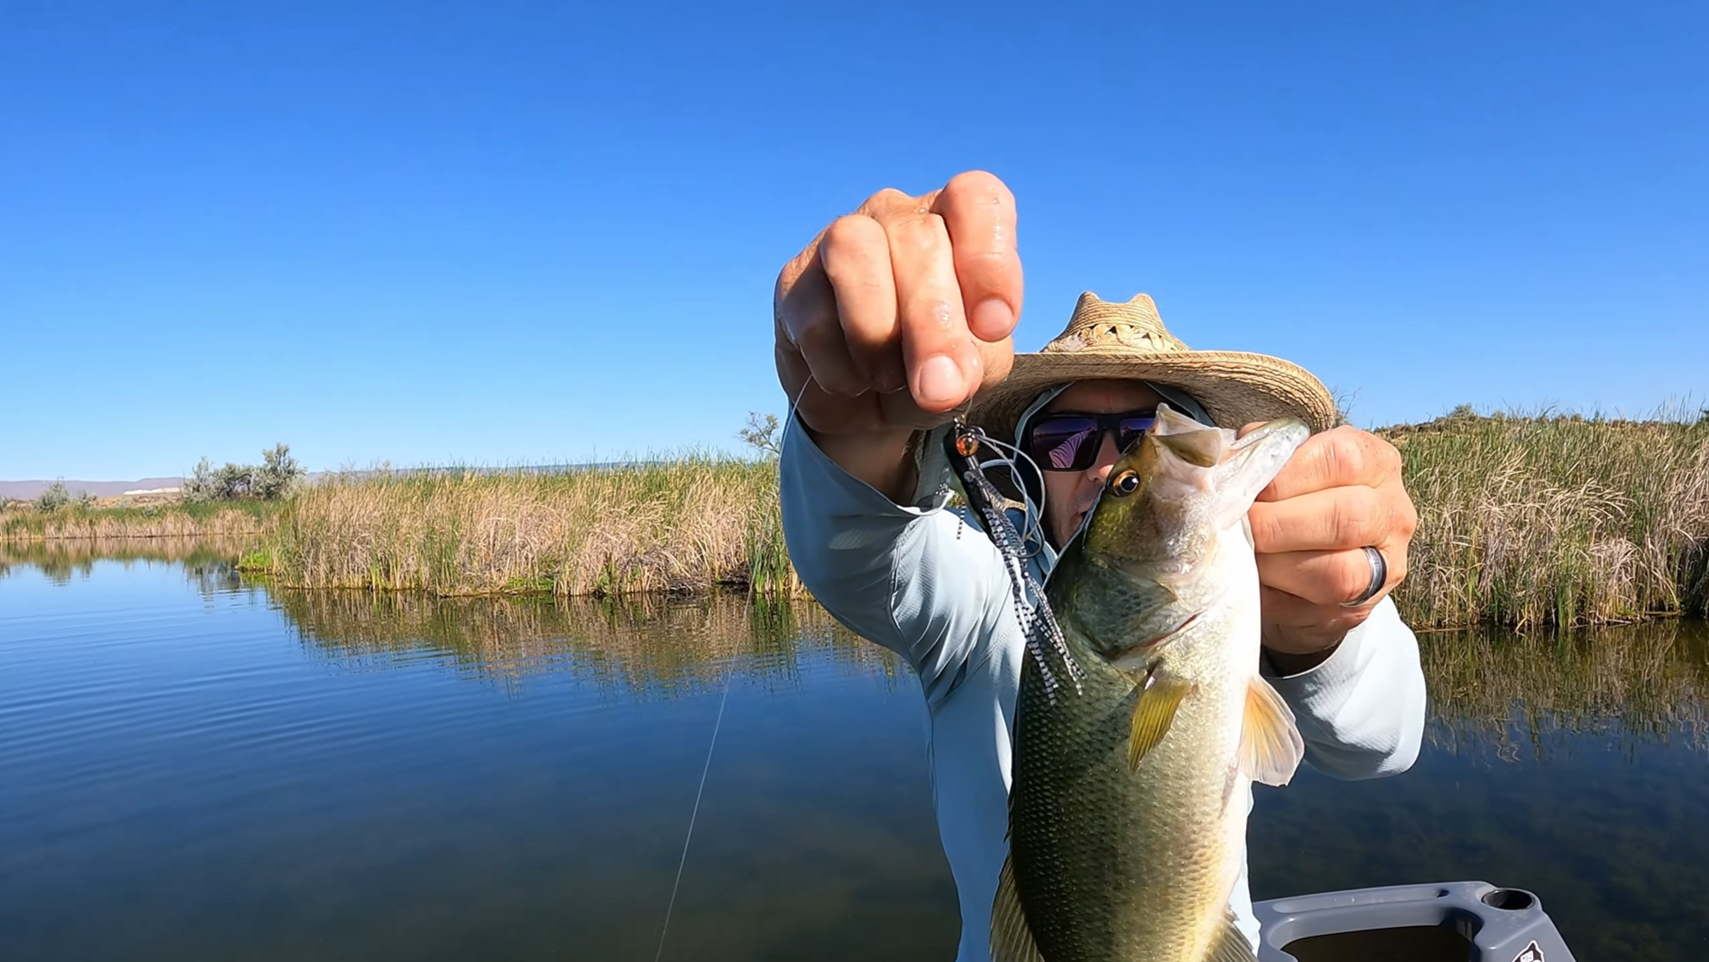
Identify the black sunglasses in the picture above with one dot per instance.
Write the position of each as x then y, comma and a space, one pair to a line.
1069, 442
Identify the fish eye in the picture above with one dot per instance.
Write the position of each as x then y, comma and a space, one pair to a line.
1125, 483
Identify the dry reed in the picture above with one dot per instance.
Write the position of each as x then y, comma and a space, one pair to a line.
1555, 520
1523, 521
688, 525
170, 521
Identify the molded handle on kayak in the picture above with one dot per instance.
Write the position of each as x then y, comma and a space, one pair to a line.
1406, 921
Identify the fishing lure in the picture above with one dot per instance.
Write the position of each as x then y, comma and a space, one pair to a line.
1038, 622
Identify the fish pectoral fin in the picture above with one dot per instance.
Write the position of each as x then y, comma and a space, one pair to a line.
1229, 944
1011, 939
1270, 744
1159, 698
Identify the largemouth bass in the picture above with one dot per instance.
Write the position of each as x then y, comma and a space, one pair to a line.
1127, 810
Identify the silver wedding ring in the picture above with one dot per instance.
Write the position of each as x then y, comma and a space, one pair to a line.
1379, 577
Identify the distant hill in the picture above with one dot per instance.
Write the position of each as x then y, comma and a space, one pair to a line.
100, 489
29, 490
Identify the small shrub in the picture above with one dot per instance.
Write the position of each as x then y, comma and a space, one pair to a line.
279, 472
762, 434
57, 497
273, 479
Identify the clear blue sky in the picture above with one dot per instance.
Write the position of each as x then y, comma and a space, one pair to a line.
508, 233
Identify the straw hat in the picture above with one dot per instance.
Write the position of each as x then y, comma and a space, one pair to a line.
1129, 342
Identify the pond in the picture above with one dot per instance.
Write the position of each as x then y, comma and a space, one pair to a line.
196, 767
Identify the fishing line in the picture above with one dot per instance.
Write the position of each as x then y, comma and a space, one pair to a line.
1038, 622
665, 929
800, 394
1032, 526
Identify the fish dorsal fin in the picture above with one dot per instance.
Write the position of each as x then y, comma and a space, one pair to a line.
1011, 939
1270, 744
1229, 944
1187, 439
1159, 697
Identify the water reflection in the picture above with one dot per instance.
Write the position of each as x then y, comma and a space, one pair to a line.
475, 778
1518, 697
659, 647
1573, 766
1492, 693
195, 765
63, 561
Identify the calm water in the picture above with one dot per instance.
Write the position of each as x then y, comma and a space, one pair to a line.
193, 768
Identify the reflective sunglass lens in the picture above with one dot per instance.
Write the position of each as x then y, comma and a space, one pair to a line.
1061, 445
1071, 442
1131, 430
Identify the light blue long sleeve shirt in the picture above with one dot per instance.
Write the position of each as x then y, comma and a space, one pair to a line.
919, 580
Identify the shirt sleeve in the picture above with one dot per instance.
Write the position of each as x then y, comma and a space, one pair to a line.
1361, 712
913, 578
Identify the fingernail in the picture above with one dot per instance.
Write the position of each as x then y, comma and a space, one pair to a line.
992, 319
939, 382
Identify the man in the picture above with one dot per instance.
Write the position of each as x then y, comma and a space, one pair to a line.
896, 318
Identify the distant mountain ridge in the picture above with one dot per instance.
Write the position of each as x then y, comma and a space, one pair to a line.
100, 489
28, 490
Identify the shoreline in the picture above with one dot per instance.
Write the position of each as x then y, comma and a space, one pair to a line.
1523, 522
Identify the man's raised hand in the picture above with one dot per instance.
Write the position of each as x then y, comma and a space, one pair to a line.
896, 315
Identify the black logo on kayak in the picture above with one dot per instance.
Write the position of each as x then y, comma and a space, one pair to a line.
1531, 954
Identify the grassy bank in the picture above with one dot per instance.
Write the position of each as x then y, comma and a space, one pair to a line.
689, 525
176, 520
1559, 520
1487, 687
1523, 522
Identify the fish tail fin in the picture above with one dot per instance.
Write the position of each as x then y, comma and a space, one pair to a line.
1011, 938
1229, 944
1270, 744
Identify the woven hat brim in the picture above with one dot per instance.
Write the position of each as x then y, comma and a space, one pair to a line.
1235, 387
